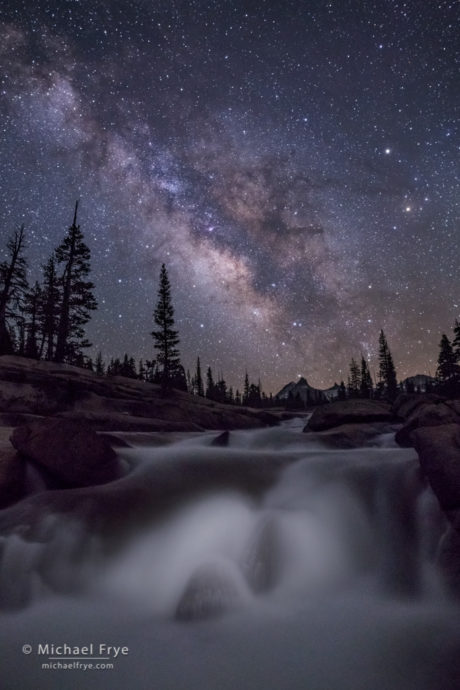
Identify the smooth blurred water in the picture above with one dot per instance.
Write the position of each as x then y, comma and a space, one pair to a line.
300, 567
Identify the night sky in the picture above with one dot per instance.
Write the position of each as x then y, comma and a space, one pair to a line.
292, 162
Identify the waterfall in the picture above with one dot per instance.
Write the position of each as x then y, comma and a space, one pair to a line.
269, 562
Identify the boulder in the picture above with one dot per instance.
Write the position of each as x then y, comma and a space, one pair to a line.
261, 563
426, 414
69, 450
438, 448
353, 435
406, 403
348, 412
12, 476
210, 592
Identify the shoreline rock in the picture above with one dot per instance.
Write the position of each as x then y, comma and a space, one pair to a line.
343, 412
421, 411
353, 435
69, 450
432, 426
12, 476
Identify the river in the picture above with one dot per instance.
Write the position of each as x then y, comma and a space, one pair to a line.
272, 563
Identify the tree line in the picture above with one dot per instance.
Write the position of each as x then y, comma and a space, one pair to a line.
446, 380
360, 383
47, 320
169, 371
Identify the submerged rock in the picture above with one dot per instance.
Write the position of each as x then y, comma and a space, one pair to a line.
261, 563
222, 440
352, 435
71, 451
348, 412
210, 592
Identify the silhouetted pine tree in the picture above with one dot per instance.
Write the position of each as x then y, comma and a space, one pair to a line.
128, 367
245, 398
77, 294
221, 390
210, 385
387, 373
99, 366
354, 380
365, 380
199, 388
18, 332
254, 399
31, 309
166, 338
456, 339
237, 397
13, 284
447, 368
49, 309
114, 367
342, 392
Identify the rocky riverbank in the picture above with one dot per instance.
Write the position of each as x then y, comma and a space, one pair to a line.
55, 410
31, 389
431, 424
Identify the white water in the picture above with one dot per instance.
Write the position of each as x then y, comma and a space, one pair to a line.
325, 577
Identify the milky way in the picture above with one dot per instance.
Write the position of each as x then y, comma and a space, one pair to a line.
293, 164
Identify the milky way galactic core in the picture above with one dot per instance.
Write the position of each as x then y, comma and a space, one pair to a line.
293, 163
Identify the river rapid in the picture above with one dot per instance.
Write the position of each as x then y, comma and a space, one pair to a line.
272, 563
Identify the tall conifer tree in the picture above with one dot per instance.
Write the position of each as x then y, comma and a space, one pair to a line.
199, 387
387, 371
13, 284
245, 399
77, 299
166, 338
49, 309
31, 310
354, 381
210, 385
447, 368
366, 379
456, 341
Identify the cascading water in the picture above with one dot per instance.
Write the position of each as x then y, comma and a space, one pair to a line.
270, 563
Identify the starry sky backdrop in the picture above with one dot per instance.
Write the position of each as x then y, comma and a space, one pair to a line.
293, 163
